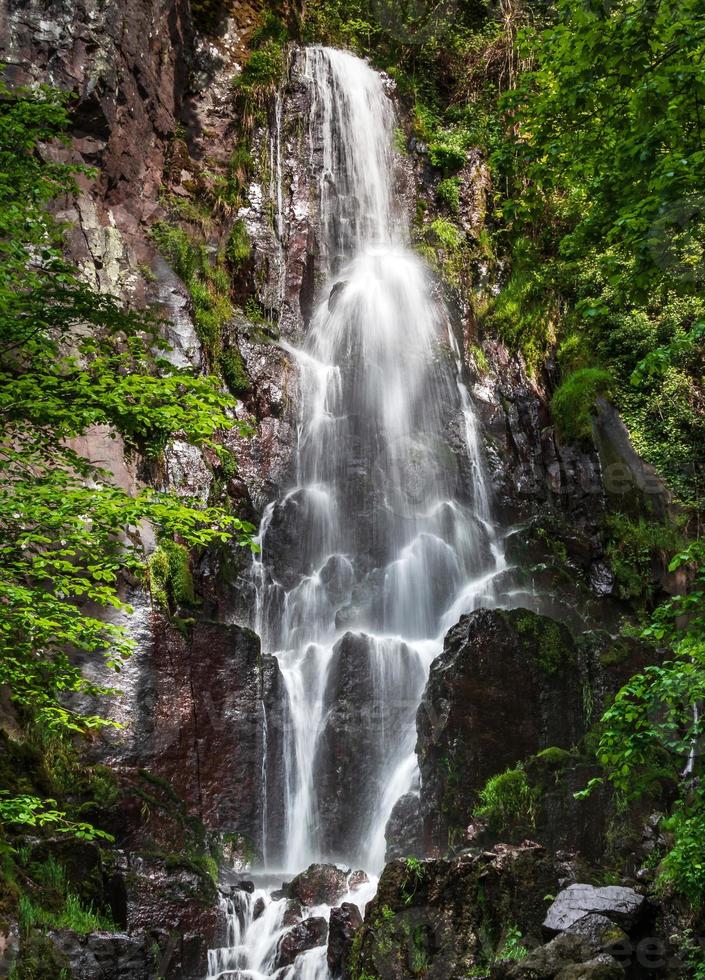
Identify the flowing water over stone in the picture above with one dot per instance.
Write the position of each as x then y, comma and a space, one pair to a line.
387, 526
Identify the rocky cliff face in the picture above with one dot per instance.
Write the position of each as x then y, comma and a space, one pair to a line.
200, 703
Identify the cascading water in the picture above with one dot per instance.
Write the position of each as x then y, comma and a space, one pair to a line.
389, 510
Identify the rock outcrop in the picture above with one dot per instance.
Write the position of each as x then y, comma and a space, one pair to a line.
444, 917
475, 721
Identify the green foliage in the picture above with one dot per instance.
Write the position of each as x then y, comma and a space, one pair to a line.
262, 72
413, 877
632, 547
71, 359
31, 811
170, 579
448, 193
73, 915
446, 234
507, 800
512, 948
239, 247
573, 403
683, 867
234, 374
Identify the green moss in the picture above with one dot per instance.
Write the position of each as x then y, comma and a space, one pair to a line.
554, 757
239, 247
549, 640
573, 403
170, 579
234, 374
40, 960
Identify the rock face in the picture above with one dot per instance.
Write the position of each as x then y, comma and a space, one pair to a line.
475, 721
404, 831
343, 924
359, 710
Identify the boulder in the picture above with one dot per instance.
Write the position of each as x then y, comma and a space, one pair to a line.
343, 924
306, 935
621, 905
477, 720
320, 884
600, 930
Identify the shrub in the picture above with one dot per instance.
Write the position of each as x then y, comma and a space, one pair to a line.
507, 800
573, 403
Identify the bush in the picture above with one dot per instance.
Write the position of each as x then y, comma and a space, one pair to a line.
446, 234
507, 800
573, 403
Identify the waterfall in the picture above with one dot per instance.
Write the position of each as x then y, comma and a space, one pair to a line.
389, 509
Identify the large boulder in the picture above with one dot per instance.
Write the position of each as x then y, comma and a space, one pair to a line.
320, 884
506, 686
306, 935
621, 905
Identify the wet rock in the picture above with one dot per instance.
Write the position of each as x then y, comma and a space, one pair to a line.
106, 956
438, 912
320, 884
404, 832
359, 710
258, 908
632, 485
566, 956
617, 903
356, 879
344, 923
293, 913
306, 935
598, 929
475, 718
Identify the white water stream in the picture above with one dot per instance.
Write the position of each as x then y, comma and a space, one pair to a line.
390, 512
